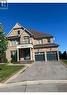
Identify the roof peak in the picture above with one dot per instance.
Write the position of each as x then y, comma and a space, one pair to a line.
17, 25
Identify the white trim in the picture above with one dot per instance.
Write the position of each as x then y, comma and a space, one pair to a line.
58, 55
17, 54
25, 46
45, 56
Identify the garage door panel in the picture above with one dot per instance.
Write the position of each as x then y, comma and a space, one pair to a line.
40, 57
51, 56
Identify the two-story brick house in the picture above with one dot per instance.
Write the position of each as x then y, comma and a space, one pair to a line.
24, 44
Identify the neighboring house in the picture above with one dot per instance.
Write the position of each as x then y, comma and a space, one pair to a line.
30, 45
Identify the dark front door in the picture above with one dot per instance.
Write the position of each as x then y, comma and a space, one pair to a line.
26, 53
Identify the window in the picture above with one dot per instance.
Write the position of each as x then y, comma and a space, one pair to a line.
18, 32
49, 40
14, 42
39, 41
26, 39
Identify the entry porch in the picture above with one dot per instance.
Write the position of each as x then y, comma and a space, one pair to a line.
24, 54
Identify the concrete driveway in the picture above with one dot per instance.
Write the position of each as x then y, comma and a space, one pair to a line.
53, 70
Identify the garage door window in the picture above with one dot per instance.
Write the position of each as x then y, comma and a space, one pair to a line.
37, 53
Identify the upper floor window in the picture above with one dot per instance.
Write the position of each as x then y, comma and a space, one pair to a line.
14, 42
48, 40
26, 39
39, 41
18, 32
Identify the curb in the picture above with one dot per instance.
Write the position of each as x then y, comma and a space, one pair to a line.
37, 82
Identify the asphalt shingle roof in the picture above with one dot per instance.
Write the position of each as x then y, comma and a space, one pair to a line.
38, 35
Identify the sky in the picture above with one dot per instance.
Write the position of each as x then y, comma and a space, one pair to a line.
43, 17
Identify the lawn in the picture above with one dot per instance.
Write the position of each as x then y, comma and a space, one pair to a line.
65, 61
6, 71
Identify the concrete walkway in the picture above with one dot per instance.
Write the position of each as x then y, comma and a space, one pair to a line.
43, 71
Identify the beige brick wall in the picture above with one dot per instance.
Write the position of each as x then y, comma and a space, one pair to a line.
8, 55
8, 52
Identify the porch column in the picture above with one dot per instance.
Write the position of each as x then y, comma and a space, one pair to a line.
45, 56
17, 54
58, 55
30, 53
33, 55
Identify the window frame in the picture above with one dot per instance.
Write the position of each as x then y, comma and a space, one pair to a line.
40, 41
18, 32
49, 41
27, 39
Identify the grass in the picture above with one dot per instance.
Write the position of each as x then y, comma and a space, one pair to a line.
65, 61
6, 71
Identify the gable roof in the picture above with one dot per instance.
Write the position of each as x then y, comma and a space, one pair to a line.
33, 33
17, 26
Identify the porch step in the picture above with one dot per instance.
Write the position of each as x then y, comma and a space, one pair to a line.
26, 62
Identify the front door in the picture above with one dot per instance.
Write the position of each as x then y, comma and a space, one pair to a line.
26, 53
